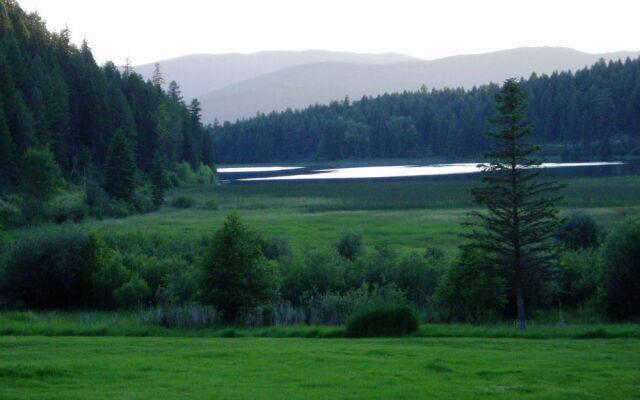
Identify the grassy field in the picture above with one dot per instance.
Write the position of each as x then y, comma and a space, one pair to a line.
118, 355
137, 324
408, 216
259, 368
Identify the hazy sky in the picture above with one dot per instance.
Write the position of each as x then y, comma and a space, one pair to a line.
151, 30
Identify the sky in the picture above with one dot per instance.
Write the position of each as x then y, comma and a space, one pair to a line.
153, 30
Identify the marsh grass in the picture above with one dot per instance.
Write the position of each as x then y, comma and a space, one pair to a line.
138, 324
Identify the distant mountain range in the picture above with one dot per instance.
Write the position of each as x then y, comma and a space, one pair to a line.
232, 86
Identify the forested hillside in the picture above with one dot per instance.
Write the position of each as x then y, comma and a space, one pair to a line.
54, 97
594, 112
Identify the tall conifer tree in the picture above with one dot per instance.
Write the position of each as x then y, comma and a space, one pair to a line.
521, 217
120, 171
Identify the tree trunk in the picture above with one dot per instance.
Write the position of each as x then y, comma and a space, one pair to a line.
522, 318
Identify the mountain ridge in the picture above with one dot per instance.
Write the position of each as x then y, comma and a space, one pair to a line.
306, 83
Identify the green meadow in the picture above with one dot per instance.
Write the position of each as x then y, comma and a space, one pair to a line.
266, 368
409, 215
117, 355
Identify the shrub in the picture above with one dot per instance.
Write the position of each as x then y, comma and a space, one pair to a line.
472, 288
205, 175
141, 201
318, 272
418, 276
276, 247
579, 231
172, 179
39, 175
334, 308
74, 211
106, 280
119, 209
179, 286
621, 272
349, 245
385, 321
376, 267
186, 174
96, 198
210, 205
236, 277
133, 293
579, 276
52, 269
183, 202
10, 215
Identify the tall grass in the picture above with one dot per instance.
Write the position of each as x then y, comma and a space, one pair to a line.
142, 324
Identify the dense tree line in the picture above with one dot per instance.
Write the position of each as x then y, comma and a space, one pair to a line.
272, 283
594, 112
54, 97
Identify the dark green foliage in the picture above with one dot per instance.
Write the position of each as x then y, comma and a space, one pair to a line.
39, 175
142, 200
579, 231
119, 209
349, 245
385, 321
134, 292
472, 289
521, 217
583, 114
183, 202
418, 276
158, 181
318, 272
205, 175
579, 277
276, 247
54, 95
236, 277
7, 153
120, 169
52, 270
621, 272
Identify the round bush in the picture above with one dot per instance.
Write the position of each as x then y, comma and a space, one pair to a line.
579, 231
386, 321
183, 203
133, 293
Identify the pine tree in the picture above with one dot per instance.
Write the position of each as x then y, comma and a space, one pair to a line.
120, 169
236, 277
39, 176
157, 79
521, 218
7, 153
174, 92
158, 181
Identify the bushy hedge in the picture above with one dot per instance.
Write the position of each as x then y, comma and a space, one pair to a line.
385, 321
621, 272
52, 270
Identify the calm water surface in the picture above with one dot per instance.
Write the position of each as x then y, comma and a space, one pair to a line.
255, 174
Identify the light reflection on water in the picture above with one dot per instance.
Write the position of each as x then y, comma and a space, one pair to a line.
244, 170
398, 171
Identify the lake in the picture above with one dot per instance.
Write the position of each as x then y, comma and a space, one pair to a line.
310, 173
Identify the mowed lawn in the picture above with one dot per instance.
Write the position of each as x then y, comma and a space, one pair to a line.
257, 368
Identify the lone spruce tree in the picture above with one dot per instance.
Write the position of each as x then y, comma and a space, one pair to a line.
521, 217
120, 170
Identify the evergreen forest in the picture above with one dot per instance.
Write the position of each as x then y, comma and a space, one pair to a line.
586, 114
